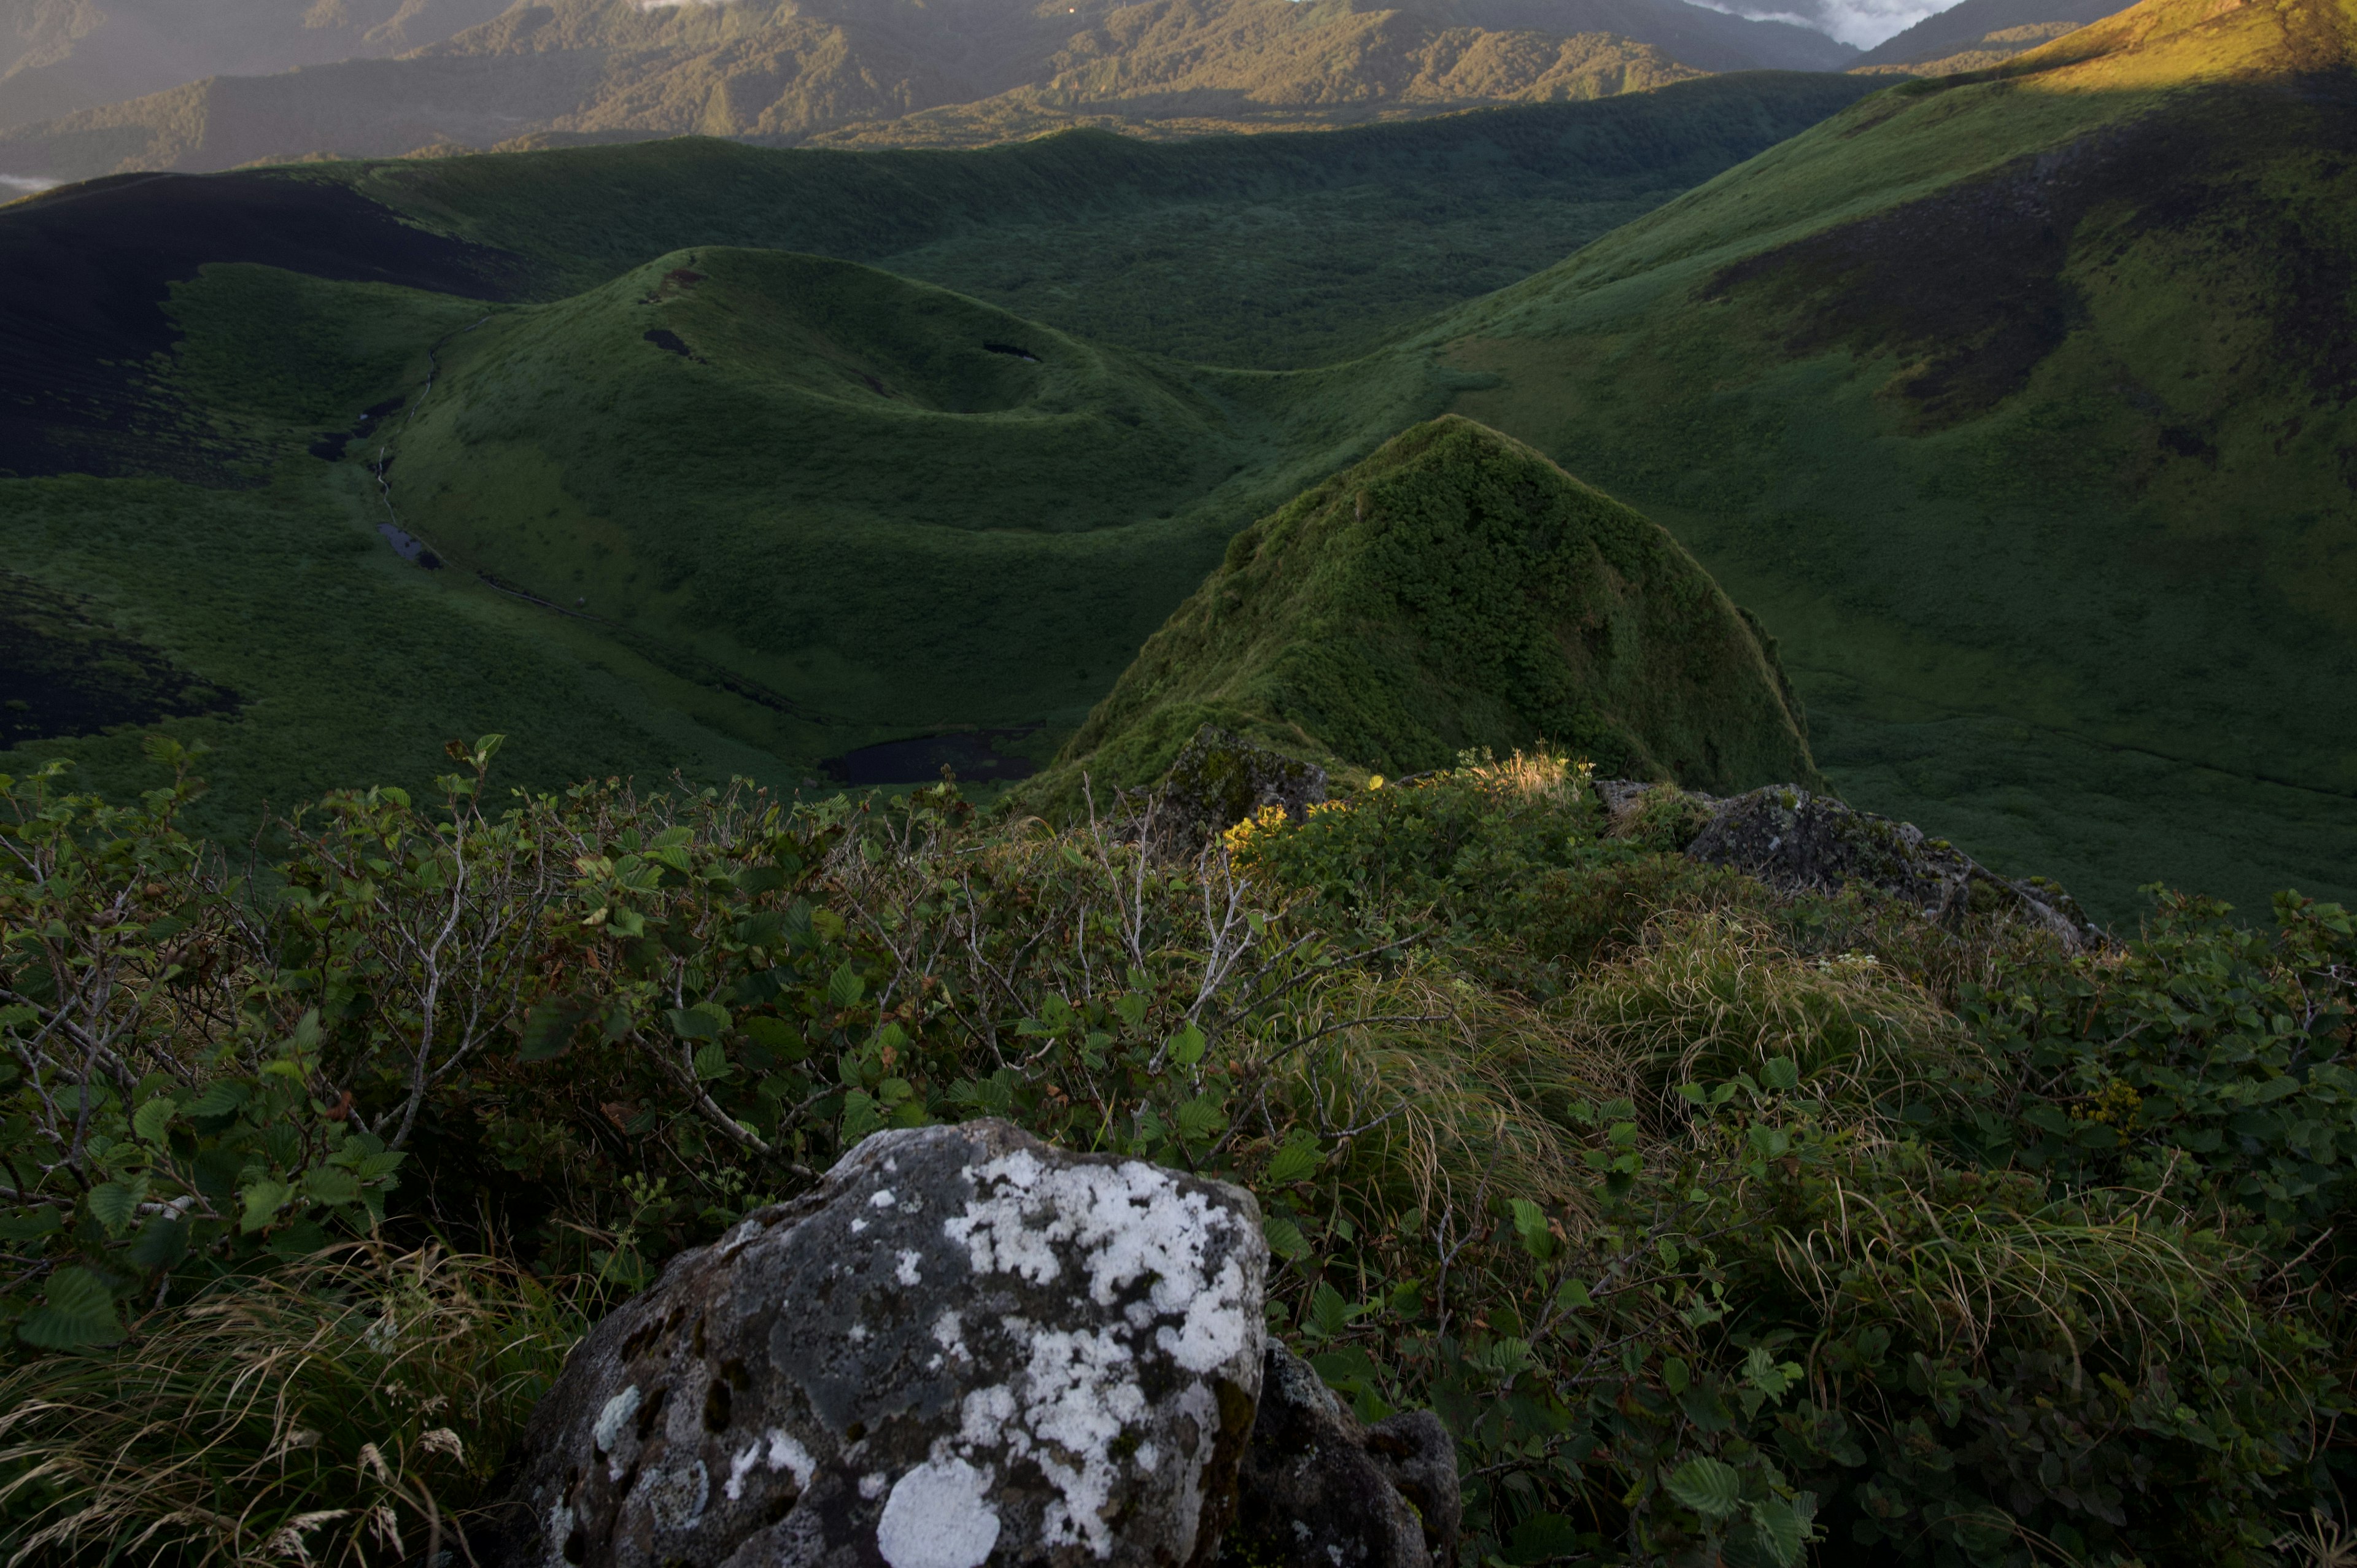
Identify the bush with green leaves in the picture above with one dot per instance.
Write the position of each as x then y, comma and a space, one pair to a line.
1609, 1158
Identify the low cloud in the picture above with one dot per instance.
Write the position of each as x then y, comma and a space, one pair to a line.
26, 184
1864, 23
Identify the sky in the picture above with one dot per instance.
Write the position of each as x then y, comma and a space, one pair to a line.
1864, 23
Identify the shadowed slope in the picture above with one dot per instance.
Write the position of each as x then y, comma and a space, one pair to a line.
1455, 590
2019, 404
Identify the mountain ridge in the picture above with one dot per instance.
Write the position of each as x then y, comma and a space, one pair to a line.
782, 72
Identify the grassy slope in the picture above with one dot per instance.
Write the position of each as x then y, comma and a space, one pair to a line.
845, 495
277, 360
2025, 422
353, 667
1265, 250
1455, 590
784, 71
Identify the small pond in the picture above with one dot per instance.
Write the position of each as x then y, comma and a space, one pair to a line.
972, 755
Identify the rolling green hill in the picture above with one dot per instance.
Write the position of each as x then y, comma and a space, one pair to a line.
188, 487
2019, 406
782, 72
1455, 590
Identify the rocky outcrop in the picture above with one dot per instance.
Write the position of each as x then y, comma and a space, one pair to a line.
1796, 841
1318, 1490
1219, 778
965, 1346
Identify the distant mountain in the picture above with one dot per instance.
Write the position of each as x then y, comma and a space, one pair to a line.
785, 71
1978, 34
58, 56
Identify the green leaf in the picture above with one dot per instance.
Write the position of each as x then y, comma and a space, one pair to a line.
860, 1115
1783, 1530
161, 1243
776, 1034
78, 1312
1712, 1488
1284, 1238
151, 1119
33, 1225
264, 1199
1531, 1229
1329, 1310
1187, 1046
331, 1184
1781, 1073
223, 1097
1541, 1536
711, 1061
1299, 1157
1199, 1118
113, 1203
548, 1029
843, 988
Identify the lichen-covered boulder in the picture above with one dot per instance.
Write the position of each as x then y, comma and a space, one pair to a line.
964, 1347
1319, 1491
1793, 839
1218, 779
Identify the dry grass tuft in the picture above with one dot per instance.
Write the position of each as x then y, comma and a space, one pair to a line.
1710, 994
334, 1414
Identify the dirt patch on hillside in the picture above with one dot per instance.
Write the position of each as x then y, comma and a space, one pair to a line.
85, 273
1971, 281
64, 672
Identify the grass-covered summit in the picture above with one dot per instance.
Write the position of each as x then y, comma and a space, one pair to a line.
1457, 590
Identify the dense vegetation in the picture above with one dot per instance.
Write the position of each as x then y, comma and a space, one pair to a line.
1706, 1217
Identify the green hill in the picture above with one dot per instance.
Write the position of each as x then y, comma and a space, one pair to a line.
1456, 590
782, 72
891, 506
2018, 403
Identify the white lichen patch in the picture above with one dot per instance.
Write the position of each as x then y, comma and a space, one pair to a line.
1128, 1222
884, 1197
783, 1454
907, 1273
871, 1485
1108, 1229
939, 1516
613, 1420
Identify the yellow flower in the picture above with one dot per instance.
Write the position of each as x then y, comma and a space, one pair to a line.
1375, 780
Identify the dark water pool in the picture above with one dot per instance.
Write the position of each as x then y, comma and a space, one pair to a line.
972, 755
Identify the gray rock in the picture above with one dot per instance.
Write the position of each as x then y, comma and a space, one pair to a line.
964, 1347
1318, 1490
1793, 839
1219, 778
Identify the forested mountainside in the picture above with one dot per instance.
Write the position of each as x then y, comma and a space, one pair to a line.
784, 71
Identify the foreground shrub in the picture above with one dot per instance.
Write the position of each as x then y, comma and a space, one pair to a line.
1609, 1158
